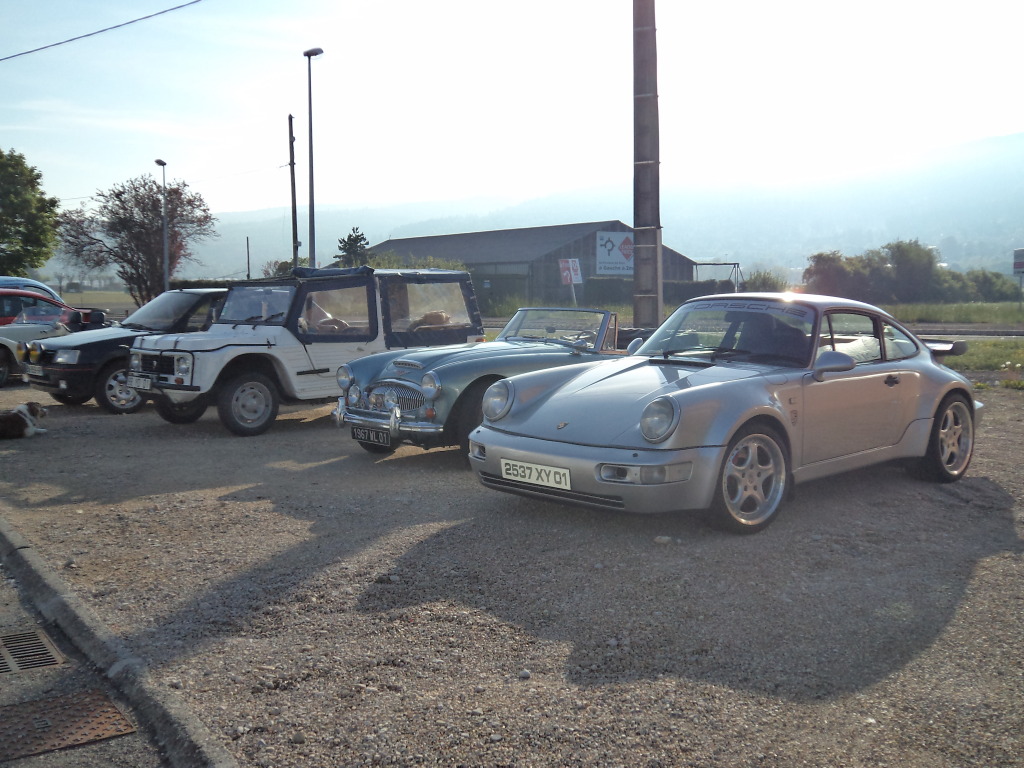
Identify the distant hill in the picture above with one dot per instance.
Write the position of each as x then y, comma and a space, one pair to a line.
968, 201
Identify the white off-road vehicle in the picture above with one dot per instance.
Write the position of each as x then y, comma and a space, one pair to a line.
282, 340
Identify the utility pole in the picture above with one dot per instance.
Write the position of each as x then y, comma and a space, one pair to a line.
295, 213
648, 300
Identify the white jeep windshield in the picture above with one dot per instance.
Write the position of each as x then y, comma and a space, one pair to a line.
257, 304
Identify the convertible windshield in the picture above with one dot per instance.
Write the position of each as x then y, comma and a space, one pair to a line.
770, 332
559, 326
257, 304
161, 313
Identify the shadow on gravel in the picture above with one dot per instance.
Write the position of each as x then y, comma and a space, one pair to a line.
858, 576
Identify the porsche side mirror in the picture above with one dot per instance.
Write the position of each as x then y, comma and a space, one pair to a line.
832, 362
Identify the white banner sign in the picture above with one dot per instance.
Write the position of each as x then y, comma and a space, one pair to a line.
615, 253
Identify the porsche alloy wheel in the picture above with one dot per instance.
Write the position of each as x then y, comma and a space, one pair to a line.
951, 443
752, 482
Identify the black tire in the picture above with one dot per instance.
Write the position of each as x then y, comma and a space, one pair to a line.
7, 364
752, 482
186, 413
381, 450
470, 413
112, 393
248, 404
951, 443
60, 397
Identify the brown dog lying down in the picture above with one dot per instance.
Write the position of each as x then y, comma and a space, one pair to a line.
21, 421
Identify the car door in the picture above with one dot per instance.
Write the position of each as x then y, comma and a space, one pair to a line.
858, 410
337, 322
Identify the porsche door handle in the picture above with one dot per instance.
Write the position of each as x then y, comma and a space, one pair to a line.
892, 380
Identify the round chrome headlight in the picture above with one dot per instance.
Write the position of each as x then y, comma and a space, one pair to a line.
345, 377
498, 399
354, 393
431, 385
390, 398
659, 419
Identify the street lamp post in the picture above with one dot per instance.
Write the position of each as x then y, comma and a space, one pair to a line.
312, 226
167, 258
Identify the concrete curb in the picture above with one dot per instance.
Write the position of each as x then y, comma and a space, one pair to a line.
188, 743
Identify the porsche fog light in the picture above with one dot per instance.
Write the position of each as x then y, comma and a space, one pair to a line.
431, 385
659, 419
345, 377
498, 399
646, 475
66, 356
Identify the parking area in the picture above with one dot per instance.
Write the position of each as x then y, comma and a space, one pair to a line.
314, 604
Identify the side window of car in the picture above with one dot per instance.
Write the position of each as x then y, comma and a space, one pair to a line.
851, 333
337, 312
898, 346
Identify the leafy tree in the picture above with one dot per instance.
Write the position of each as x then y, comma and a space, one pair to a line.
828, 274
126, 231
28, 218
763, 280
353, 248
282, 268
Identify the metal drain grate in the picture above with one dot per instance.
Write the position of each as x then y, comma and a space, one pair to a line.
27, 649
44, 725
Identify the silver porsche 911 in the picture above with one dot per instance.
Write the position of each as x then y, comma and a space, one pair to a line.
731, 401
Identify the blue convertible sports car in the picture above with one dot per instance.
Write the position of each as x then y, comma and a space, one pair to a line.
733, 399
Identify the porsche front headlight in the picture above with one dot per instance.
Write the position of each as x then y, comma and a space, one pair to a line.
498, 399
659, 419
66, 356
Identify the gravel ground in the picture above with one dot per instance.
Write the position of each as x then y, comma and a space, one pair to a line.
315, 605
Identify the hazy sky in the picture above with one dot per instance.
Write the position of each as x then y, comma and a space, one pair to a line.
456, 99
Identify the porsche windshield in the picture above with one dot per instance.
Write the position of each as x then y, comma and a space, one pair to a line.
770, 332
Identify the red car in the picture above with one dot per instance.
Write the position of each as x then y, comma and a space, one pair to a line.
14, 301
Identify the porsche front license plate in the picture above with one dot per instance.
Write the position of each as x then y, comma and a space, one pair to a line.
375, 436
139, 382
535, 474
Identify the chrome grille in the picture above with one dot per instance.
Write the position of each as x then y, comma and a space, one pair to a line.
409, 399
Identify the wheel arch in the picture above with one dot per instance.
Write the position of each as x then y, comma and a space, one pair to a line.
451, 426
249, 363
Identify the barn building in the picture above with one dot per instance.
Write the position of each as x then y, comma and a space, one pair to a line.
531, 263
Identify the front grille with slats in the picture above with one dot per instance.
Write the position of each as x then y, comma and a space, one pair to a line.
409, 399
158, 364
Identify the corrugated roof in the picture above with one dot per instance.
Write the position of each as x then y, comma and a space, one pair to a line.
498, 246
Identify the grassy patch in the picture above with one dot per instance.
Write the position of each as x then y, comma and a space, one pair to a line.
1003, 313
991, 355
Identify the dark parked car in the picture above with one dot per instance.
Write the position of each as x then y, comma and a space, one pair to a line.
90, 364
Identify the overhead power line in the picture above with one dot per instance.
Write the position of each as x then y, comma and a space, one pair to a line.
99, 31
